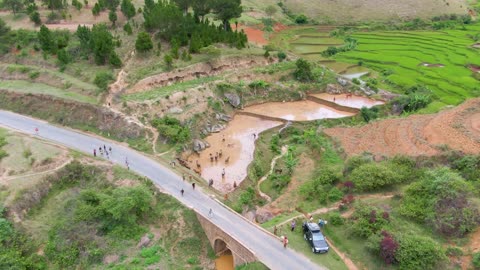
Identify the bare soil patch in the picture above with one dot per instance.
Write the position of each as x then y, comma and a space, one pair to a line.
425, 64
254, 35
458, 128
474, 68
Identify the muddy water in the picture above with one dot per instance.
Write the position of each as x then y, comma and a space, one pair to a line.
238, 147
224, 262
297, 111
353, 101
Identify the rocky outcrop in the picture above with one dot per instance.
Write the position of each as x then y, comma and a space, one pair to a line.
144, 241
200, 145
233, 99
334, 89
223, 117
263, 216
214, 128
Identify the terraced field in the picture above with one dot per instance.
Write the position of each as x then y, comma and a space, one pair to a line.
441, 60
416, 135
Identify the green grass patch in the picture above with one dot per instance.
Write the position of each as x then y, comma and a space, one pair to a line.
40, 88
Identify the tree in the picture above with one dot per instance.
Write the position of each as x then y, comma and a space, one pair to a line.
35, 17
102, 79
271, 10
46, 39
226, 10
4, 29
201, 8
128, 9
14, 5
303, 71
84, 35
55, 4
112, 16
168, 61
111, 4
63, 57
114, 60
183, 5
128, 28
101, 43
77, 4
144, 42
96, 9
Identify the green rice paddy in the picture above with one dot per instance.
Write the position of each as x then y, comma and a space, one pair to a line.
403, 52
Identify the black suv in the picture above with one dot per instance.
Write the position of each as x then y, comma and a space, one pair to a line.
313, 235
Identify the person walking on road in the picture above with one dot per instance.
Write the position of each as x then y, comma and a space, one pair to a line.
210, 213
126, 163
193, 186
36, 131
182, 191
285, 241
94, 152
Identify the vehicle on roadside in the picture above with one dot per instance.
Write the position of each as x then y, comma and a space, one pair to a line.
313, 235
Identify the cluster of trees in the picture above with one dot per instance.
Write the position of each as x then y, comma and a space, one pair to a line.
350, 44
99, 42
442, 199
172, 129
408, 251
184, 29
416, 97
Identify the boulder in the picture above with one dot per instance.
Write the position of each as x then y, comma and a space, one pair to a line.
233, 99
223, 117
175, 110
199, 145
334, 89
263, 216
342, 81
215, 128
250, 215
144, 241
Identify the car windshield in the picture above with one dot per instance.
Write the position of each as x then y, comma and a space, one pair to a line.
318, 237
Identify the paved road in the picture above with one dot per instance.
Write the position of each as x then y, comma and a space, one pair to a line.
267, 248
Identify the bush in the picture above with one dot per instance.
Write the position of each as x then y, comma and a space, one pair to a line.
368, 221
418, 252
301, 19
102, 80
476, 260
144, 42
372, 176
128, 28
335, 195
369, 114
35, 17
303, 71
388, 248
336, 219
172, 129
281, 56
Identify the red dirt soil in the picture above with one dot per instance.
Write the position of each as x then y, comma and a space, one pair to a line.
458, 128
254, 35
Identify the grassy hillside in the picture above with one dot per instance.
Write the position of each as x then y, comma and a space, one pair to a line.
346, 11
88, 216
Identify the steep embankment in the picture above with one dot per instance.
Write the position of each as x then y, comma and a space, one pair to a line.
458, 128
73, 114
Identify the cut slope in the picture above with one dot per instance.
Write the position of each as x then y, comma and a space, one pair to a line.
457, 128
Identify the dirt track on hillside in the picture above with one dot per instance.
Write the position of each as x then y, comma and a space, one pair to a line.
458, 128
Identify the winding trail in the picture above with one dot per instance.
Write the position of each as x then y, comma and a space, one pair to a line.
263, 244
272, 165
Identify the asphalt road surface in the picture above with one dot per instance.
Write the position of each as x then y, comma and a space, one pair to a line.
268, 249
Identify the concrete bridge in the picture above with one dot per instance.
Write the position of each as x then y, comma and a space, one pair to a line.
224, 243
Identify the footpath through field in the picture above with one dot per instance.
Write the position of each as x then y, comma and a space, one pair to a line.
266, 247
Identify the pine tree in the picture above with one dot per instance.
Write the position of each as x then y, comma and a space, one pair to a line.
144, 42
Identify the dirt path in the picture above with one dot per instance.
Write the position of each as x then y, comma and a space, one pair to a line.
472, 247
6, 179
272, 165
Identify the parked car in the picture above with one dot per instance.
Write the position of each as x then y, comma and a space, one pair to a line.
313, 235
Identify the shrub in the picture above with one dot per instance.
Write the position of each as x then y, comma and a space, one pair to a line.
144, 42
335, 194
367, 221
369, 114
281, 56
301, 19
388, 248
454, 251
35, 17
372, 176
303, 71
172, 129
476, 260
336, 219
418, 252
102, 79
128, 29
